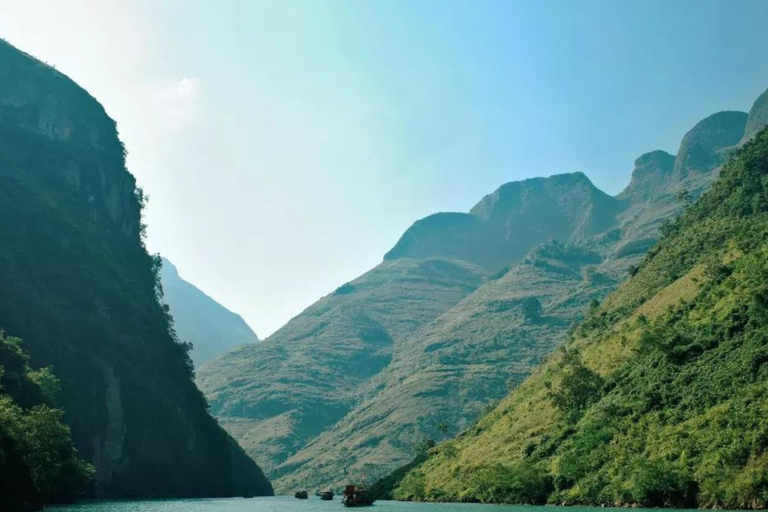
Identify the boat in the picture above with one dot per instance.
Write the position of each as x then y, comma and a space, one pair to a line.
302, 495
357, 497
326, 495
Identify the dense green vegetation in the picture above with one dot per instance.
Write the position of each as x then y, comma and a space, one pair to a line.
198, 319
38, 462
77, 284
660, 398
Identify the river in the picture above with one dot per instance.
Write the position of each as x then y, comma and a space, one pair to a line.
282, 504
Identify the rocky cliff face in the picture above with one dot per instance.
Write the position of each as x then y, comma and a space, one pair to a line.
198, 319
509, 222
77, 284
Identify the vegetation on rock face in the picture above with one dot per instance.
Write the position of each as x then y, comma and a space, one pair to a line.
38, 462
659, 397
77, 284
198, 319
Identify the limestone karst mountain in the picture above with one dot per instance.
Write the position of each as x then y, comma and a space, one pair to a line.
659, 396
541, 251
198, 319
77, 284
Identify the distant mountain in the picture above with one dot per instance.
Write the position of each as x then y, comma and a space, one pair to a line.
77, 285
541, 250
210, 327
659, 397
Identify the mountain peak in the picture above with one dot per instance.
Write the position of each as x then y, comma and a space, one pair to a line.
702, 148
758, 117
512, 192
651, 175
506, 223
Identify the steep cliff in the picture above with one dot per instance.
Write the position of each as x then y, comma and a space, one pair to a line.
78, 285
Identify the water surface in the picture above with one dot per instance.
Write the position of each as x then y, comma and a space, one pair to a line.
288, 504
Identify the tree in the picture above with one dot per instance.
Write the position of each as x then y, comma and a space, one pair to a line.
531, 308
579, 386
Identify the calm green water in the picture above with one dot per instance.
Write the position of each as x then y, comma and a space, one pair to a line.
284, 504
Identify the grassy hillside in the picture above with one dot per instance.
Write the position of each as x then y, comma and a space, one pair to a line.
211, 328
278, 394
77, 284
659, 396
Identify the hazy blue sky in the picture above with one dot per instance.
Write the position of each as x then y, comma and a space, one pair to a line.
286, 145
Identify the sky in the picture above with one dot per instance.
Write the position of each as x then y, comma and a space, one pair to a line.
286, 145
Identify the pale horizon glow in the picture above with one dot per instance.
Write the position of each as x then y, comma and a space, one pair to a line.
286, 146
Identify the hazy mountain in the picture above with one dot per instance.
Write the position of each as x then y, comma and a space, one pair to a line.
210, 327
77, 284
659, 397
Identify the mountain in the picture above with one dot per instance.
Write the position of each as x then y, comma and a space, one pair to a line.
77, 284
442, 378
358, 380
276, 395
659, 396
198, 319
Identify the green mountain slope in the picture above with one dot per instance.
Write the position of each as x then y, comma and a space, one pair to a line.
198, 319
658, 397
276, 395
77, 284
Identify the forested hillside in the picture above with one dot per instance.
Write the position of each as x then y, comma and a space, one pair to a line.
77, 284
659, 396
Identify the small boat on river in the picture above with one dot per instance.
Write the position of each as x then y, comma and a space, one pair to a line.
326, 495
357, 497
301, 495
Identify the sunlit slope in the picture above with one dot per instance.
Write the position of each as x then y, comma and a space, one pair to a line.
276, 395
440, 381
659, 397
